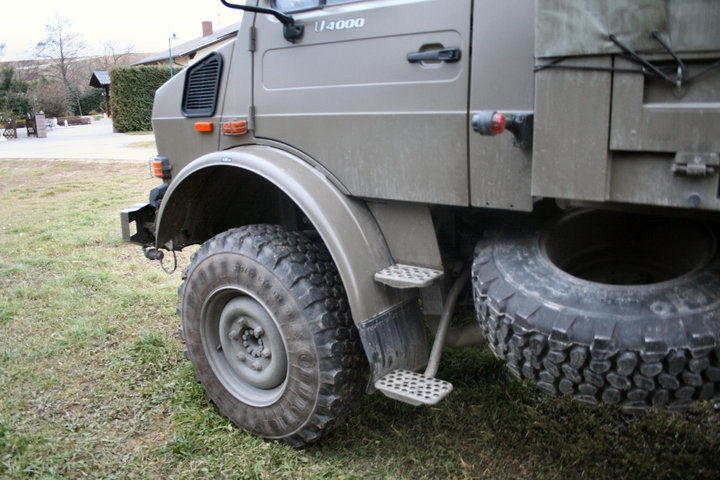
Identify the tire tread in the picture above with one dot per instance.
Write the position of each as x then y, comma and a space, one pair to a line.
306, 269
540, 344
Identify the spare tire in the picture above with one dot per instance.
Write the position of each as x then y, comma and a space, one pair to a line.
608, 307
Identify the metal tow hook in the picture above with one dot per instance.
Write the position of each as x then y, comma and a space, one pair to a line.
152, 253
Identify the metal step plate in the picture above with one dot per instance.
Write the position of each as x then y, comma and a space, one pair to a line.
413, 388
407, 276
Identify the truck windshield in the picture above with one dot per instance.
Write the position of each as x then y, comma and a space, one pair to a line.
295, 5
289, 6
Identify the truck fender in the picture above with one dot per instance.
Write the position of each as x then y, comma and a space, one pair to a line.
389, 320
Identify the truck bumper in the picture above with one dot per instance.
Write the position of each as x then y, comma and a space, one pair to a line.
138, 224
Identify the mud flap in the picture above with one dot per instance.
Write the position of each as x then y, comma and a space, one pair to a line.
395, 339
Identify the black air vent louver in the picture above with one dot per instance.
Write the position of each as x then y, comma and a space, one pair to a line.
201, 87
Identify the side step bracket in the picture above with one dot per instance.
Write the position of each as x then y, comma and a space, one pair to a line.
407, 276
413, 388
423, 388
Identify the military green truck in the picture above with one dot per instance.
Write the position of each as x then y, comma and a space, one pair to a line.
353, 169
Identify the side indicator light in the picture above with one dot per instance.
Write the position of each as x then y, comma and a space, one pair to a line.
204, 127
235, 127
498, 123
160, 167
489, 123
519, 124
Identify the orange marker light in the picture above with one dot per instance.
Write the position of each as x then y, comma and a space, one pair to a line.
235, 127
160, 167
204, 127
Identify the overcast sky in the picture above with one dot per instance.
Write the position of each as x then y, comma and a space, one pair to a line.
144, 24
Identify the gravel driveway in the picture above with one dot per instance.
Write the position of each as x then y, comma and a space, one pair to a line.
94, 141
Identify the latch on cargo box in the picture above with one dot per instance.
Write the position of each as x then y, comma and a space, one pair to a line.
695, 164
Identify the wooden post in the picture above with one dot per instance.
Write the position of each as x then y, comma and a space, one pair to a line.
107, 101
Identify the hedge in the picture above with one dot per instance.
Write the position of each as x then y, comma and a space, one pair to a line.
74, 120
90, 101
132, 94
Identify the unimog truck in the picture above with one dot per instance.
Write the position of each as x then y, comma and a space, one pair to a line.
354, 169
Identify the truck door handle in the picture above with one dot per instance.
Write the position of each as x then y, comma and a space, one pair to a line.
448, 55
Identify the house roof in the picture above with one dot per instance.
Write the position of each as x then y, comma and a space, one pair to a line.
99, 79
193, 45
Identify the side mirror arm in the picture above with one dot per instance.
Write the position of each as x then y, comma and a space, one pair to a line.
291, 30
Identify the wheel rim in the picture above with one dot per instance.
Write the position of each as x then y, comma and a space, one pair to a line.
622, 249
245, 347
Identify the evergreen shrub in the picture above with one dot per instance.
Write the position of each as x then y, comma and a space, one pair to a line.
132, 94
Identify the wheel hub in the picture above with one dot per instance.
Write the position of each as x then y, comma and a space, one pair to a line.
250, 344
250, 348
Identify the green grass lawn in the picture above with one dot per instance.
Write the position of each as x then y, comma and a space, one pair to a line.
94, 382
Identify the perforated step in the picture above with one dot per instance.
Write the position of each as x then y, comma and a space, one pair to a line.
413, 388
407, 276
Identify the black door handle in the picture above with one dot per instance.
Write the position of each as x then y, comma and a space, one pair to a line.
445, 55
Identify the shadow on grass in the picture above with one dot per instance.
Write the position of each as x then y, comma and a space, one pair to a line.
493, 426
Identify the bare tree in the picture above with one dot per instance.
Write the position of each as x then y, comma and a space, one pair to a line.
113, 55
51, 96
61, 48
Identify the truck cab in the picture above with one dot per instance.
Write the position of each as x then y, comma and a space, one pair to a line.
353, 169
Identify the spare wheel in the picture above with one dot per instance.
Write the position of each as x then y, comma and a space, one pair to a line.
608, 307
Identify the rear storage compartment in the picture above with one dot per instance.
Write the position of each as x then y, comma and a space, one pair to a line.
627, 105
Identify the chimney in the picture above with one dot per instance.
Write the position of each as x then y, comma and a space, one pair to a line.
207, 28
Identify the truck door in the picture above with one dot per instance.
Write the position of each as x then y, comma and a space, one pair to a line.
502, 80
354, 95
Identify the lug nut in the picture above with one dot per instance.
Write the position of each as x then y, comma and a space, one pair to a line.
240, 356
259, 332
234, 334
266, 353
256, 366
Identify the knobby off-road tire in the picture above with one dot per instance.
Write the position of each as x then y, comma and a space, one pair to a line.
268, 330
609, 308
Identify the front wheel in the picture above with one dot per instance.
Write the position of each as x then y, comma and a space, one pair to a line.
268, 330
607, 307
